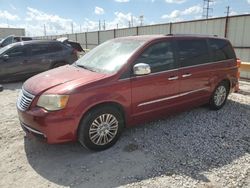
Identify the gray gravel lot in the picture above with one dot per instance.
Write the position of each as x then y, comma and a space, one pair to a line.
196, 148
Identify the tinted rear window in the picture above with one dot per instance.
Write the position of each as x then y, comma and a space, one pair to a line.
192, 52
221, 50
38, 49
55, 47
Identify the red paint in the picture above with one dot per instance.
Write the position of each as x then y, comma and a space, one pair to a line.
88, 89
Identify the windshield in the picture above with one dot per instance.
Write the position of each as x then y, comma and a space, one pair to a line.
110, 56
7, 40
2, 50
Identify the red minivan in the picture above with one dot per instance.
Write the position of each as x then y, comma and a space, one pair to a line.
124, 82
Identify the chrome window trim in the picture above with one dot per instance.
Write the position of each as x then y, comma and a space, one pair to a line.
176, 69
172, 97
206, 64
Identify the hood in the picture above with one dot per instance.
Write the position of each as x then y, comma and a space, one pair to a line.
58, 76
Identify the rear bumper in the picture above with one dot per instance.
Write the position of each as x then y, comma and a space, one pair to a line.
52, 127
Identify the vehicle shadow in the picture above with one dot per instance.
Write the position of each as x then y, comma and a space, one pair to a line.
12, 85
189, 143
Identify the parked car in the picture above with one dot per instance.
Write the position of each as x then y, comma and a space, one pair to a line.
25, 59
124, 82
76, 45
12, 39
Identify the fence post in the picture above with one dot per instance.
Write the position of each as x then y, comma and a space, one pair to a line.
98, 37
76, 36
86, 40
137, 30
114, 33
170, 28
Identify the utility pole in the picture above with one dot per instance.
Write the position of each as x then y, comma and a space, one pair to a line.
72, 28
44, 29
7, 22
129, 24
104, 26
141, 20
116, 26
226, 22
207, 8
228, 10
100, 25
132, 24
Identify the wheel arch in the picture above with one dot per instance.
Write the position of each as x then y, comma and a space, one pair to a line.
113, 104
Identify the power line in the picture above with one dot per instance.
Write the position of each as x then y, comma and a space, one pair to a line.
207, 9
228, 10
141, 20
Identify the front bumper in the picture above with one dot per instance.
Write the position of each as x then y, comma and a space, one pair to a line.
53, 127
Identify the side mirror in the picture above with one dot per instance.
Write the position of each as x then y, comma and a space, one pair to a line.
5, 57
141, 69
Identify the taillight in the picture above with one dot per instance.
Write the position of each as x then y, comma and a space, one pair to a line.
237, 86
74, 52
238, 62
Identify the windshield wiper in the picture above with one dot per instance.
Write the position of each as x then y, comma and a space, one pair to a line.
85, 67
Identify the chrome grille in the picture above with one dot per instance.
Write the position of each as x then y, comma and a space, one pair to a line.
24, 100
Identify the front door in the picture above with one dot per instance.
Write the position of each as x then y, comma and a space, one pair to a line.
156, 90
13, 66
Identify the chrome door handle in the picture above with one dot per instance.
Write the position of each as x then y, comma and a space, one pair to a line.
186, 75
173, 78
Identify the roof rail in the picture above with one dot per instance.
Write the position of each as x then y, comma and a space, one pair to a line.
171, 34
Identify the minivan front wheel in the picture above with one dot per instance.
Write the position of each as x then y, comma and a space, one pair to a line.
100, 128
219, 96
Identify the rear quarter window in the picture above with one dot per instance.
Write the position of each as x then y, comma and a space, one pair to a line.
55, 47
38, 49
192, 52
221, 50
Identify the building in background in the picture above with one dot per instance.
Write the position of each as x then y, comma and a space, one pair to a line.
4, 32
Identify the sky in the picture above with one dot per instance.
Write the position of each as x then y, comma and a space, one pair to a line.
60, 16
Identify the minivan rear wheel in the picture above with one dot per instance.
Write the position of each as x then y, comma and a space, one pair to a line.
219, 97
100, 128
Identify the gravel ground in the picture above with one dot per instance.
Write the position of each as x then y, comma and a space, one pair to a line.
196, 148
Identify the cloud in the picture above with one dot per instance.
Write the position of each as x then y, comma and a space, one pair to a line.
175, 1
248, 1
176, 14
6, 15
99, 10
122, 19
13, 7
122, 1
36, 19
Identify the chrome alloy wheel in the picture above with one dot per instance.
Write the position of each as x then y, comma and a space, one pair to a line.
103, 129
220, 95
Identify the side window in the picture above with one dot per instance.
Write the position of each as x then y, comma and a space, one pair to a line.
16, 39
55, 47
38, 49
26, 39
221, 50
159, 56
19, 51
192, 52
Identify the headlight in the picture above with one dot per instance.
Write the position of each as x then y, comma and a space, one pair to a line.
53, 102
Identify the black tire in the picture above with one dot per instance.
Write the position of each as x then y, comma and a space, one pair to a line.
213, 105
87, 123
